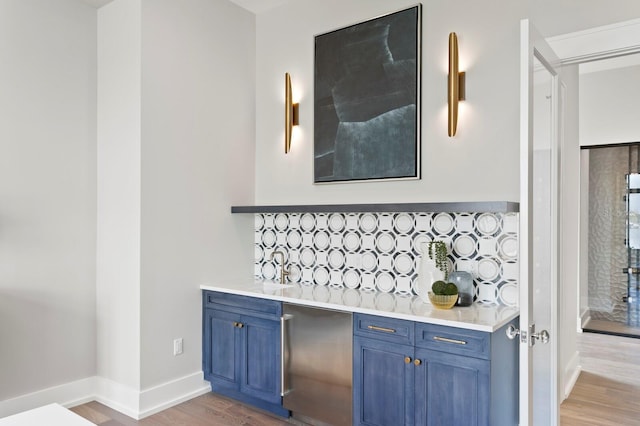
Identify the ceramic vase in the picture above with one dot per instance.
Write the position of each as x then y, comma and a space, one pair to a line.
464, 282
428, 273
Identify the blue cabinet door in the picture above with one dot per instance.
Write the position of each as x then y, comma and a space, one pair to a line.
260, 354
451, 390
383, 383
221, 354
241, 358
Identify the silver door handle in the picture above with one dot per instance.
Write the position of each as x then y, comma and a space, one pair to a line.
283, 344
543, 336
513, 332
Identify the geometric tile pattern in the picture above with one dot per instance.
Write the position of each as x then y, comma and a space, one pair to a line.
380, 252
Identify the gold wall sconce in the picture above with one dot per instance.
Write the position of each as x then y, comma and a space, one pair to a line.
456, 84
290, 113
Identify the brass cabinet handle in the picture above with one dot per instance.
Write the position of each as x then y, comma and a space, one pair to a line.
376, 328
407, 360
417, 362
238, 324
444, 339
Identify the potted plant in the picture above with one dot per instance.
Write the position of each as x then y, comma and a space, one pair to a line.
437, 251
433, 267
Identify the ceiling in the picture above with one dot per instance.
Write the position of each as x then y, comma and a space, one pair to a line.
255, 6
97, 3
259, 6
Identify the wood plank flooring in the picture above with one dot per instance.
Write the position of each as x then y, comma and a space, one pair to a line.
205, 410
607, 392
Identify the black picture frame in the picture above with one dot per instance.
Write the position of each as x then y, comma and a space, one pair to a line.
367, 100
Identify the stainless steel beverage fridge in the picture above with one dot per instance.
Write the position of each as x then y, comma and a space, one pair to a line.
317, 364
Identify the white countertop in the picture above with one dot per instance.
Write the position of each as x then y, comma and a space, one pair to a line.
480, 317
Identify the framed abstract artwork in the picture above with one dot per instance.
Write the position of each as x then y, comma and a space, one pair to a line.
367, 100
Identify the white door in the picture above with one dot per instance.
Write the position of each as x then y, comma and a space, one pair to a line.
539, 171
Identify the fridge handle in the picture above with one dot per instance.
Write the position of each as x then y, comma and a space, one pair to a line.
283, 345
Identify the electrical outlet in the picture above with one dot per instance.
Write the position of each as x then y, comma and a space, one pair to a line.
177, 346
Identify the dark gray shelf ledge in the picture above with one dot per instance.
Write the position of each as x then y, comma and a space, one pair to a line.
461, 207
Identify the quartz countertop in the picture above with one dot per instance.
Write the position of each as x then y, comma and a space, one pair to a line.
481, 317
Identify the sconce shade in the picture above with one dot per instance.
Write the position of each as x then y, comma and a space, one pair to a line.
290, 113
456, 86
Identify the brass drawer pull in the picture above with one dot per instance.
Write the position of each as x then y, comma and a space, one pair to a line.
417, 362
238, 324
376, 328
407, 360
444, 339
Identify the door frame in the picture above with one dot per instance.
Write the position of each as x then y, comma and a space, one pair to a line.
603, 42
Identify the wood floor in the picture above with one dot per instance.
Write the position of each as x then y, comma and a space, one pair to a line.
205, 410
607, 392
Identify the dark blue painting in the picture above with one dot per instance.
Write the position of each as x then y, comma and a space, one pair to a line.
366, 95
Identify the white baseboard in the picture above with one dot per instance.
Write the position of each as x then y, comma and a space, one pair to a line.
117, 396
585, 316
571, 373
68, 395
161, 397
128, 401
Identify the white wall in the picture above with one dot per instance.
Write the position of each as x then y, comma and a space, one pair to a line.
198, 136
47, 194
176, 150
555, 17
480, 163
173, 94
118, 218
609, 105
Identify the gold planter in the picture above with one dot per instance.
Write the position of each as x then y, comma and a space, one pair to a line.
443, 301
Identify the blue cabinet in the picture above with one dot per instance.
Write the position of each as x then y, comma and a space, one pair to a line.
384, 381
452, 389
241, 350
424, 374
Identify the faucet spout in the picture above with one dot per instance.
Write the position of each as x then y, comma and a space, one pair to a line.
283, 272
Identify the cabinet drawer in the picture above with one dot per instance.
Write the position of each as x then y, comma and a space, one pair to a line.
453, 340
242, 304
388, 329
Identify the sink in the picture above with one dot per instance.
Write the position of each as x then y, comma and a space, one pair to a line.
271, 285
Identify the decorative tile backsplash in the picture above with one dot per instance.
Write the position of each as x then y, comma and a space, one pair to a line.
381, 251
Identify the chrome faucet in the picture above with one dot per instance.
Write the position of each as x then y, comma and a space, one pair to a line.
283, 271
